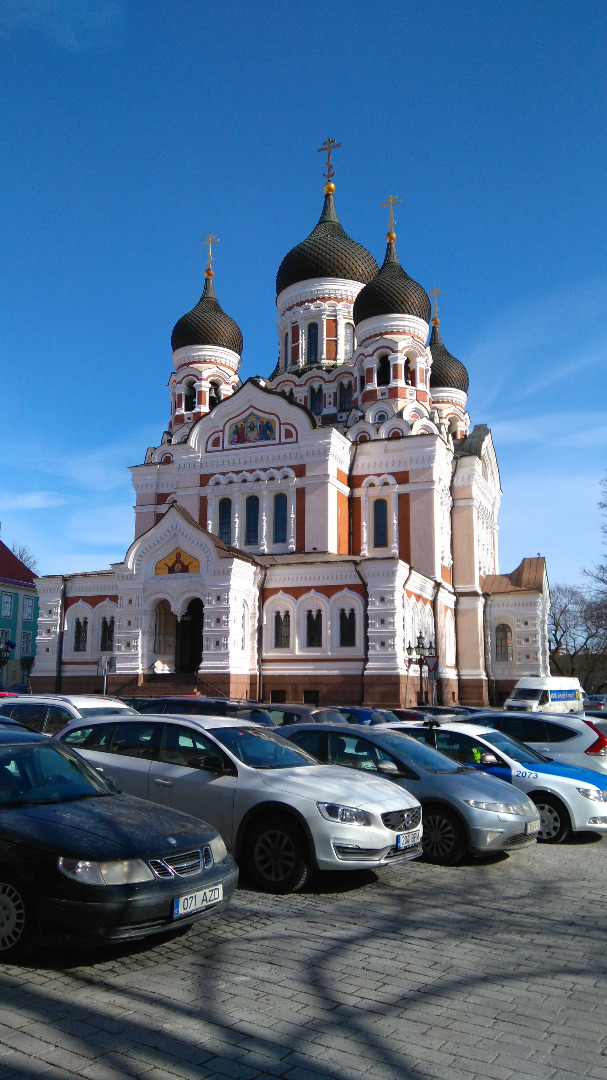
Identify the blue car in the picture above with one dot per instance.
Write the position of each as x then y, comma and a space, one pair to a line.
569, 799
363, 714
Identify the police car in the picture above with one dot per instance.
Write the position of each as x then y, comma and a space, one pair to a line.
569, 799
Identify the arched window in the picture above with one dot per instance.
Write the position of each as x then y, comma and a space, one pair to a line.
348, 340
280, 519
503, 643
347, 628
80, 635
345, 396
107, 634
383, 371
282, 630
312, 350
381, 418
251, 532
190, 396
314, 629
214, 395
380, 523
316, 400
225, 521
285, 349
408, 372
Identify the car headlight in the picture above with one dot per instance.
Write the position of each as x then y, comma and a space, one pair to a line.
498, 807
218, 848
592, 793
346, 815
119, 872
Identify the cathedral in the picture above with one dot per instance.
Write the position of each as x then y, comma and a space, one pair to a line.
318, 534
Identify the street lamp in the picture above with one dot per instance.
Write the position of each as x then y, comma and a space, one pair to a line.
5, 650
410, 661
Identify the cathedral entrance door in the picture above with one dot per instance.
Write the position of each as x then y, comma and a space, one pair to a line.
188, 638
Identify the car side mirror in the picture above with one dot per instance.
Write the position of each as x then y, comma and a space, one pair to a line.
489, 759
388, 768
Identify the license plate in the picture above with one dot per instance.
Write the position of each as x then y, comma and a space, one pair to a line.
533, 826
408, 839
197, 901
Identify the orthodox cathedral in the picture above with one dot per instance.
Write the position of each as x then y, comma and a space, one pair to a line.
313, 535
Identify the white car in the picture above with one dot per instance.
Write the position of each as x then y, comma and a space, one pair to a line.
49, 713
573, 738
568, 798
278, 810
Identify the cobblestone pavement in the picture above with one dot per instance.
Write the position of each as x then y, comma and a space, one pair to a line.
495, 969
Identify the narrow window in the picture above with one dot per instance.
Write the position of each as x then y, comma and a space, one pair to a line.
80, 635
285, 349
345, 396
190, 397
362, 383
107, 634
280, 519
316, 400
214, 395
282, 630
348, 340
7, 605
383, 371
347, 628
314, 629
312, 356
28, 608
26, 643
380, 523
251, 520
503, 643
225, 520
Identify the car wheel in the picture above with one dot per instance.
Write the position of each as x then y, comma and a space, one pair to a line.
444, 839
17, 920
555, 823
277, 856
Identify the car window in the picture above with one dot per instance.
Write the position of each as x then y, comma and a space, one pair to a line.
464, 748
6, 710
523, 728
103, 710
56, 718
516, 750
559, 733
277, 715
314, 742
77, 736
184, 746
32, 714
327, 716
262, 749
413, 752
355, 752
138, 740
384, 717
45, 774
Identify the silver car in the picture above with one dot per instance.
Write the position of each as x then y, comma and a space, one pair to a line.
464, 811
569, 737
280, 812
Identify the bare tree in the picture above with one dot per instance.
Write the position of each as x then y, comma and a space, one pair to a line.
577, 633
25, 555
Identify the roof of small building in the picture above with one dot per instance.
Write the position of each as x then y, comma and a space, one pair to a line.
392, 291
529, 576
207, 324
12, 570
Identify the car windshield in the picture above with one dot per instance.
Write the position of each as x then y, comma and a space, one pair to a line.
413, 752
521, 692
262, 749
103, 710
384, 717
513, 748
31, 773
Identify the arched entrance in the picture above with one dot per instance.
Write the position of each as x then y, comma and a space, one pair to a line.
188, 638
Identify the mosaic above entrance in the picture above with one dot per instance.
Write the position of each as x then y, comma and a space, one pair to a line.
178, 562
252, 429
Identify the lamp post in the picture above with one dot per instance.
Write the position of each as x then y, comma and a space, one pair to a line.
420, 650
5, 651
410, 661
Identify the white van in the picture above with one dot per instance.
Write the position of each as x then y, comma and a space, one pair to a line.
553, 694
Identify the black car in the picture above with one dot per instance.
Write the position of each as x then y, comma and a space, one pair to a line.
82, 863
208, 706
365, 714
303, 714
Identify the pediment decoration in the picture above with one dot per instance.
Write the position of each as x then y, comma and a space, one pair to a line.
178, 562
252, 428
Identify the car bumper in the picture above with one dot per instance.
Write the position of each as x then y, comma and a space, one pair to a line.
501, 836
126, 913
358, 848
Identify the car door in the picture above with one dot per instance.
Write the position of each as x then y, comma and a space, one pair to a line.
124, 753
361, 753
182, 776
468, 751
314, 742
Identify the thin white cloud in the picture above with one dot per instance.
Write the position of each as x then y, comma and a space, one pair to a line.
73, 25
30, 500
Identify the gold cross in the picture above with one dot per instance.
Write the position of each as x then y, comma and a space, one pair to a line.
210, 239
435, 293
329, 145
391, 201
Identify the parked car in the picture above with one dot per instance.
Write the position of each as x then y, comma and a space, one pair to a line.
136, 703
595, 701
464, 811
81, 863
49, 713
568, 798
363, 714
19, 688
572, 737
303, 714
279, 811
208, 706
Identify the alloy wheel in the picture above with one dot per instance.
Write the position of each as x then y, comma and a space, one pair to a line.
275, 855
12, 916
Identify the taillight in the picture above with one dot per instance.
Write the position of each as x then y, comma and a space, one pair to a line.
600, 746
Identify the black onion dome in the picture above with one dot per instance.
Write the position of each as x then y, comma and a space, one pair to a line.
207, 324
446, 370
392, 292
327, 252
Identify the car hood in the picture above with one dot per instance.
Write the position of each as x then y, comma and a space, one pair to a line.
333, 783
470, 784
109, 827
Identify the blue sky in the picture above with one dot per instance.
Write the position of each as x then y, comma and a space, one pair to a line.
130, 130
